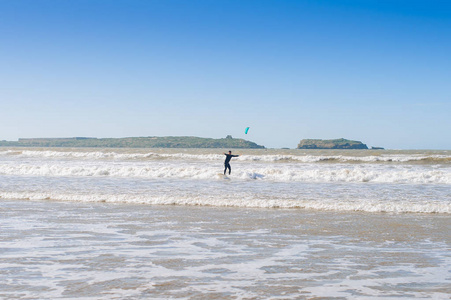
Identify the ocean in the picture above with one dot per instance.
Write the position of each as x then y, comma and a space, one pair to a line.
81, 223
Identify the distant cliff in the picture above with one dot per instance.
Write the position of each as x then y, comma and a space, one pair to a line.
331, 144
135, 142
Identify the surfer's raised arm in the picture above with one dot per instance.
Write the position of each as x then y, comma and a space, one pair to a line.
231, 155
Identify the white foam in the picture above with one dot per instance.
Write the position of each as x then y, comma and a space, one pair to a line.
108, 155
365, 205
305, 158
343, 158
278, 173
256, 181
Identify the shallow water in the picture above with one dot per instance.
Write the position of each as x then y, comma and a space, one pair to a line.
67, 250
164, 223
336, 180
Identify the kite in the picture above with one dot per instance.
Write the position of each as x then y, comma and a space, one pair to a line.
247, 129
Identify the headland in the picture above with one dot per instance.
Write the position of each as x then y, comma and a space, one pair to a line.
135, 142
331, 144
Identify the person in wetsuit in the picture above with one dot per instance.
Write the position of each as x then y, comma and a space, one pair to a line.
227, 161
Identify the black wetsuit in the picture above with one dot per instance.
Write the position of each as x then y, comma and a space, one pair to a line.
226, 163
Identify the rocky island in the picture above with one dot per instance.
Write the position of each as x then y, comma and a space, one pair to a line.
135, 142
331, 144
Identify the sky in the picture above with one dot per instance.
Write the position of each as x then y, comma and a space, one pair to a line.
377, 71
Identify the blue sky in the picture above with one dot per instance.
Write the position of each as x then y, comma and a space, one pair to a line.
374, 71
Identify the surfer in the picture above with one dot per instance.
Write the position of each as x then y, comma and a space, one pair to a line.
227, 160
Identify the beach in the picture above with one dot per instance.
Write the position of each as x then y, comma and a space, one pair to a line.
116, 118
163, 223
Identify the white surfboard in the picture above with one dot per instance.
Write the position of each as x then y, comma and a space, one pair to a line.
223, 176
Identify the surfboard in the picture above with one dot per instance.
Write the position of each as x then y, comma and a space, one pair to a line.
223, 176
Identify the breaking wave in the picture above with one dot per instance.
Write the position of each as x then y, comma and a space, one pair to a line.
203, 200
392, 181
105, 155
276, 173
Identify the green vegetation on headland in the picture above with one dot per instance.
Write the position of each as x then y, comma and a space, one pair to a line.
135, 142
175, 142
331, 144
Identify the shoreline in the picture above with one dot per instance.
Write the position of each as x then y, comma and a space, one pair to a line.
185, 252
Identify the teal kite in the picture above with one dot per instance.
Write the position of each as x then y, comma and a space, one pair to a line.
247, 129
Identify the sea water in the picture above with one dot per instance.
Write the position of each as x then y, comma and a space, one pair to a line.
164, 223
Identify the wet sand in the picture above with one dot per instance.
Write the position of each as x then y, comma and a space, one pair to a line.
102, 251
